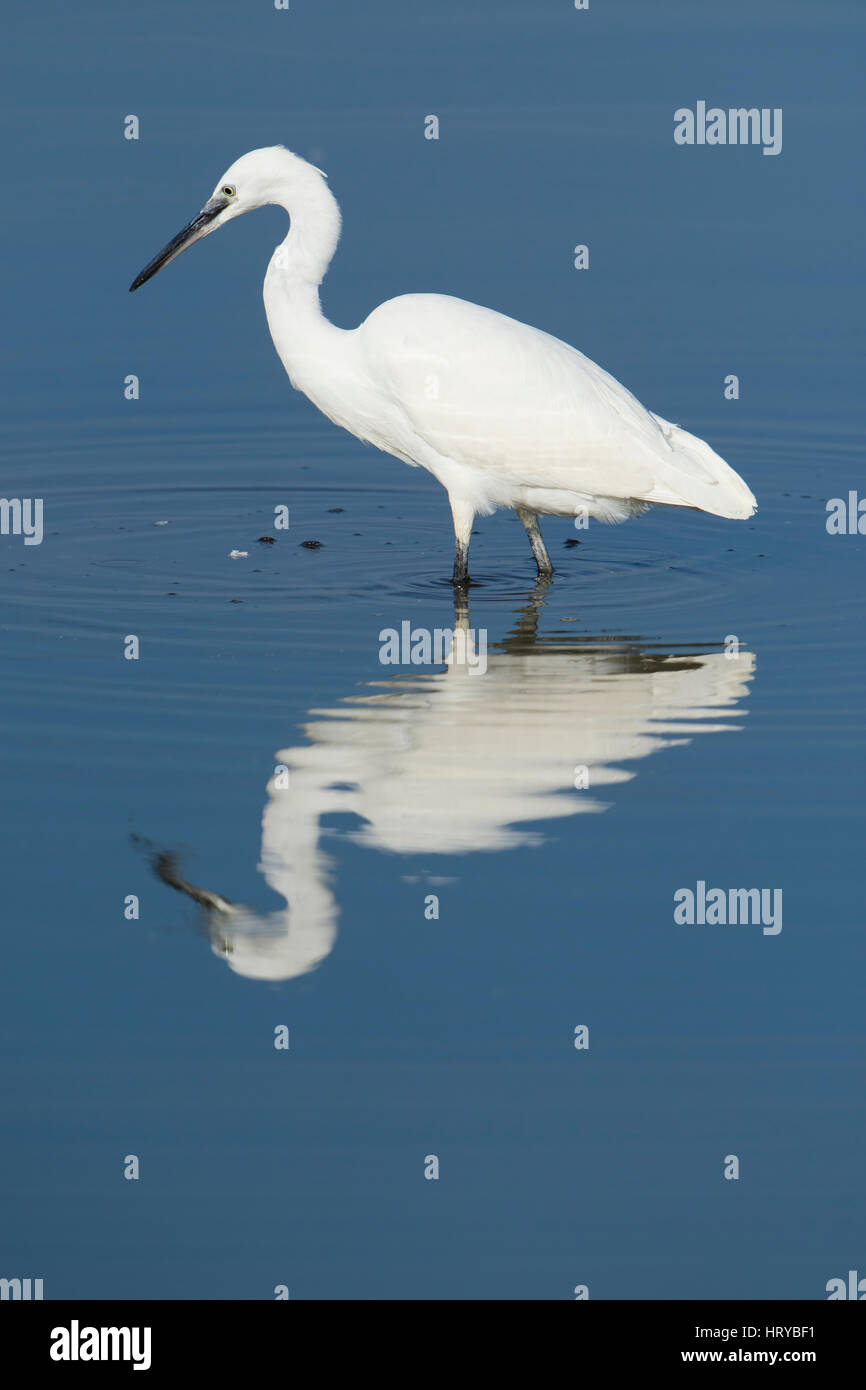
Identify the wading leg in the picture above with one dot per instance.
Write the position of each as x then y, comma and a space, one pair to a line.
463, 515
533, 531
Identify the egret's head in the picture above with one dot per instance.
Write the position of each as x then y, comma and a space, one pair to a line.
260, 177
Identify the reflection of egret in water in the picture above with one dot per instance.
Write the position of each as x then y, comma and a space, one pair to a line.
453, 762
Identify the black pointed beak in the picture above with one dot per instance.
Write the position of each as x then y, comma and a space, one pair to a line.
193, 231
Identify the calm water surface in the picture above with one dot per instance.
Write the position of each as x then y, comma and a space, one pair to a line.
411, 1034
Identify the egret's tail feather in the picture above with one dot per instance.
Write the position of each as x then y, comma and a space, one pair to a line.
694, 475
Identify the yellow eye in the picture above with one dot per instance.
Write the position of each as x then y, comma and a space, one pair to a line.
228, 190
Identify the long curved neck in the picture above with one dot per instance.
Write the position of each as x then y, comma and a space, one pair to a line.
302, 259
305, 341
301, 333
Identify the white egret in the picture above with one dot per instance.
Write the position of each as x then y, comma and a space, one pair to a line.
502, 414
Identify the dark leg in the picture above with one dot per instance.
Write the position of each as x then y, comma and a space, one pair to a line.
461, 564
463, 515
533, 531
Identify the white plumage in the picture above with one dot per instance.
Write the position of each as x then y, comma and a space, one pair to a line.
502, 414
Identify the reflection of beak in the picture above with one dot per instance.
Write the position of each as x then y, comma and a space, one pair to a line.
193, 231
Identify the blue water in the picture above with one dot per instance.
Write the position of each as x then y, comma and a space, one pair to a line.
413, 1035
